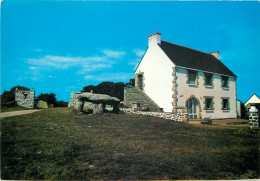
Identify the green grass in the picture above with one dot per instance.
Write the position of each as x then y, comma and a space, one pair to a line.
60, 144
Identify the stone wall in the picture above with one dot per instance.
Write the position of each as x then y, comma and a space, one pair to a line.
253, 117
25, 98
180, 115
135, 95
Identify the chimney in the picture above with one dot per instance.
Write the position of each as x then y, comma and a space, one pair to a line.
215, 54
154, 39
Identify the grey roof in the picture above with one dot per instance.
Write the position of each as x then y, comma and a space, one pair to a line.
193, 59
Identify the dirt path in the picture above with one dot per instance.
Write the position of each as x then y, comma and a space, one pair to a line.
17, 113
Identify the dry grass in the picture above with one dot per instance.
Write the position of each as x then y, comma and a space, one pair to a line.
60, 144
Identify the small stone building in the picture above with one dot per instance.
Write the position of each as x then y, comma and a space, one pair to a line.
25, 98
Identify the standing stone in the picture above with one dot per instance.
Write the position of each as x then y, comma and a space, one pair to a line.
42, 104
98, 109
79, 106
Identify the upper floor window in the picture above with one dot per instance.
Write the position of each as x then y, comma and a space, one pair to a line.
192, 77
224, 82
208, 79
208, 103
225, 104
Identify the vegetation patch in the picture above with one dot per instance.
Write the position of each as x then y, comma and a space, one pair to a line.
59, 144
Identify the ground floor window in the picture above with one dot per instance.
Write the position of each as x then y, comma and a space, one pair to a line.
209, 103
225, 104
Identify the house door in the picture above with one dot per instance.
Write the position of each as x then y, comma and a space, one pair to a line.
192, 108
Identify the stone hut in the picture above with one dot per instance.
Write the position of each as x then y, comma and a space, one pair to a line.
25, 98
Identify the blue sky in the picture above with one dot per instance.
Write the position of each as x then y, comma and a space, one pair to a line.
58, 46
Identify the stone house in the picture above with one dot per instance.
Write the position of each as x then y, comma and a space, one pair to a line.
170, 77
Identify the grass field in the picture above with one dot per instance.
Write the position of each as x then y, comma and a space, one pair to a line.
16, 108
60, 144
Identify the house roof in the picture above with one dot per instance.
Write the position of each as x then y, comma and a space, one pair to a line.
253, 99
194, 59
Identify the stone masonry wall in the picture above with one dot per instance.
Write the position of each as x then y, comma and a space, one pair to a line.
174, 90
25, 98
133, 94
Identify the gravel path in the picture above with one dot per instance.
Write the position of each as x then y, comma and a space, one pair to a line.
17, 113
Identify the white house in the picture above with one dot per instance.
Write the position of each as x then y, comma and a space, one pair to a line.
254, 99
175, 76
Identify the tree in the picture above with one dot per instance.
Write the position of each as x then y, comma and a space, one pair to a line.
109, 88
49, 98
244, 112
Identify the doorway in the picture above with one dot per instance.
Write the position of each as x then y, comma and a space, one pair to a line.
192, 106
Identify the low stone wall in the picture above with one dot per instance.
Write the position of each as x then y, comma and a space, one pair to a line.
180, 116
253, 120
133, 94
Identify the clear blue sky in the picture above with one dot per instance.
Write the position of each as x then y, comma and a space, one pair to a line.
58, 46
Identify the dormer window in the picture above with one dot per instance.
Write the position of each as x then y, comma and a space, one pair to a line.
192, 77
224, 82
208, 79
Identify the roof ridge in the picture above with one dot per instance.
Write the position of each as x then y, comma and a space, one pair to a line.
251, 97
187, 48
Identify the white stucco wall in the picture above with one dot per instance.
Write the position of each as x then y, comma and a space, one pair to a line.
157, 72
185, 91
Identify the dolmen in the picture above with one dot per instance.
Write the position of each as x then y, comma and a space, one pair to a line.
99, 100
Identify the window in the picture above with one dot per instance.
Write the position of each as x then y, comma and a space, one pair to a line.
225, 82
140, 81
225, 104
192, 76
208, 79
209, 103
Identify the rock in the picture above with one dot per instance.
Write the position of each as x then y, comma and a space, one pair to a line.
42, 104
145, 108
99, 101
98, 98
79, 105
206, 121
91, 167
98, 109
